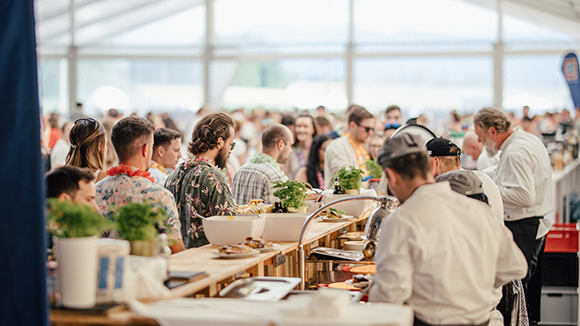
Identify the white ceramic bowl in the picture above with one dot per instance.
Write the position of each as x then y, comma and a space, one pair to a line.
283, 226
353, 245
220, 231
354, 208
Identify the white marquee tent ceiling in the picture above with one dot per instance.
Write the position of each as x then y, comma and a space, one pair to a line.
98, 19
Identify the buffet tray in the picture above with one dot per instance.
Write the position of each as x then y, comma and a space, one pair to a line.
260, 288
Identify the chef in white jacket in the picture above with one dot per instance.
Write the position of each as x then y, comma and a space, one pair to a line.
524, 179
440, 252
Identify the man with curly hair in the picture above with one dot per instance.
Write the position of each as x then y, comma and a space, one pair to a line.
199, 184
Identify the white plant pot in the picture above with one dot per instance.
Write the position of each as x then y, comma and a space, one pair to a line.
77, 271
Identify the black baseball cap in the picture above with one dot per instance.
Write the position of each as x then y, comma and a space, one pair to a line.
442, 147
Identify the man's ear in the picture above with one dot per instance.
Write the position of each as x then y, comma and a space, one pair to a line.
392, 176
145, 150
220, 143
160, 151
492, 133
280, 145
64, 196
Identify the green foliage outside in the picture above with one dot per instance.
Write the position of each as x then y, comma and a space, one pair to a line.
350, 177
260, 74
291, 193
137, 221
374, 169
67, 219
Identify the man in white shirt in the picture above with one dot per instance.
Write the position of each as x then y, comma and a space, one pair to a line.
60, 150
254, 179
445, 157
440, 252
349, 149
524, 178
473, 148
166, 154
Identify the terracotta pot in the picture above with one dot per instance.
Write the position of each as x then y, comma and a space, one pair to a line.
145, 248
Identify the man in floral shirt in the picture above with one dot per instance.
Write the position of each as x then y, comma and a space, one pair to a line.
128, 182
199, 185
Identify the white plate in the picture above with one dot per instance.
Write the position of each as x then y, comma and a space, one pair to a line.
361, 285
275, 246
236, 256
342, 219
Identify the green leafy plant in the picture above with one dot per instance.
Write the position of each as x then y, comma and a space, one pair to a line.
139, 221
67, 219
291, 193
374, 168
350, 177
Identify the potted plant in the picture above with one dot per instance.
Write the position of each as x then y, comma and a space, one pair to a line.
138, 223
76, 227
292, 195
350, 179
375, 171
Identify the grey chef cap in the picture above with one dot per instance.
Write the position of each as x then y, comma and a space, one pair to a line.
400, 145
464, 182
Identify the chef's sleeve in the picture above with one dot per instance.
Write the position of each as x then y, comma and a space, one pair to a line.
393, 281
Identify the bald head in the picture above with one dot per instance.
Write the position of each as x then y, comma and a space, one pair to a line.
274, 133
277, 142
471, 146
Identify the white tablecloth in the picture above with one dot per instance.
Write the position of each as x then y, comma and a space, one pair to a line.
235, 312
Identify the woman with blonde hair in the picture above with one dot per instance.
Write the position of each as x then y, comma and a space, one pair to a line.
88, 147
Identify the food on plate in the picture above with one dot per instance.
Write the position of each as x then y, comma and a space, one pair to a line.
255, 206
365, 269
360, 278
258, 243
333, 213
235, 249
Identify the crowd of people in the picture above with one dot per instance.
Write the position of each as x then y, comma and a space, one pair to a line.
445, 250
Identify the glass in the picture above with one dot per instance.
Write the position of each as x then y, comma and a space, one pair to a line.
367, 129
413, 21
53, 85
232, 146
141, 86
462, 83
536, 81
263, 24
285, 84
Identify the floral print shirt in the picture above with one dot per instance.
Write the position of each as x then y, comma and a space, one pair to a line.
200, 191
120, 189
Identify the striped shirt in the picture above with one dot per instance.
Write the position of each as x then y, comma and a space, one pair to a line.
254, 180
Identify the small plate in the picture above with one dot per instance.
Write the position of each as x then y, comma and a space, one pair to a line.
342, 219
236, 256
274, 247
360, 285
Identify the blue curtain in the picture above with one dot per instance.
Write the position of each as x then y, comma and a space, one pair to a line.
22, 237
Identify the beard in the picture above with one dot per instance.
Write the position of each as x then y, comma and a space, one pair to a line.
222, 157
282, 160
491, 147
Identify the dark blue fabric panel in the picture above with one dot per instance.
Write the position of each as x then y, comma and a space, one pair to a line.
571, 73
22, 237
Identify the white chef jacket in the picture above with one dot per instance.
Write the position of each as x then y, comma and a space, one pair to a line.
444, 254
484, 161
524, 177
339, 153
492, 193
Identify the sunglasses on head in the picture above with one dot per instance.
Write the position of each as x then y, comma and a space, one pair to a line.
368, 129
394, 125
91, 120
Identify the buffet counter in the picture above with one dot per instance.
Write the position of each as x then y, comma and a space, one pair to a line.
220, 272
